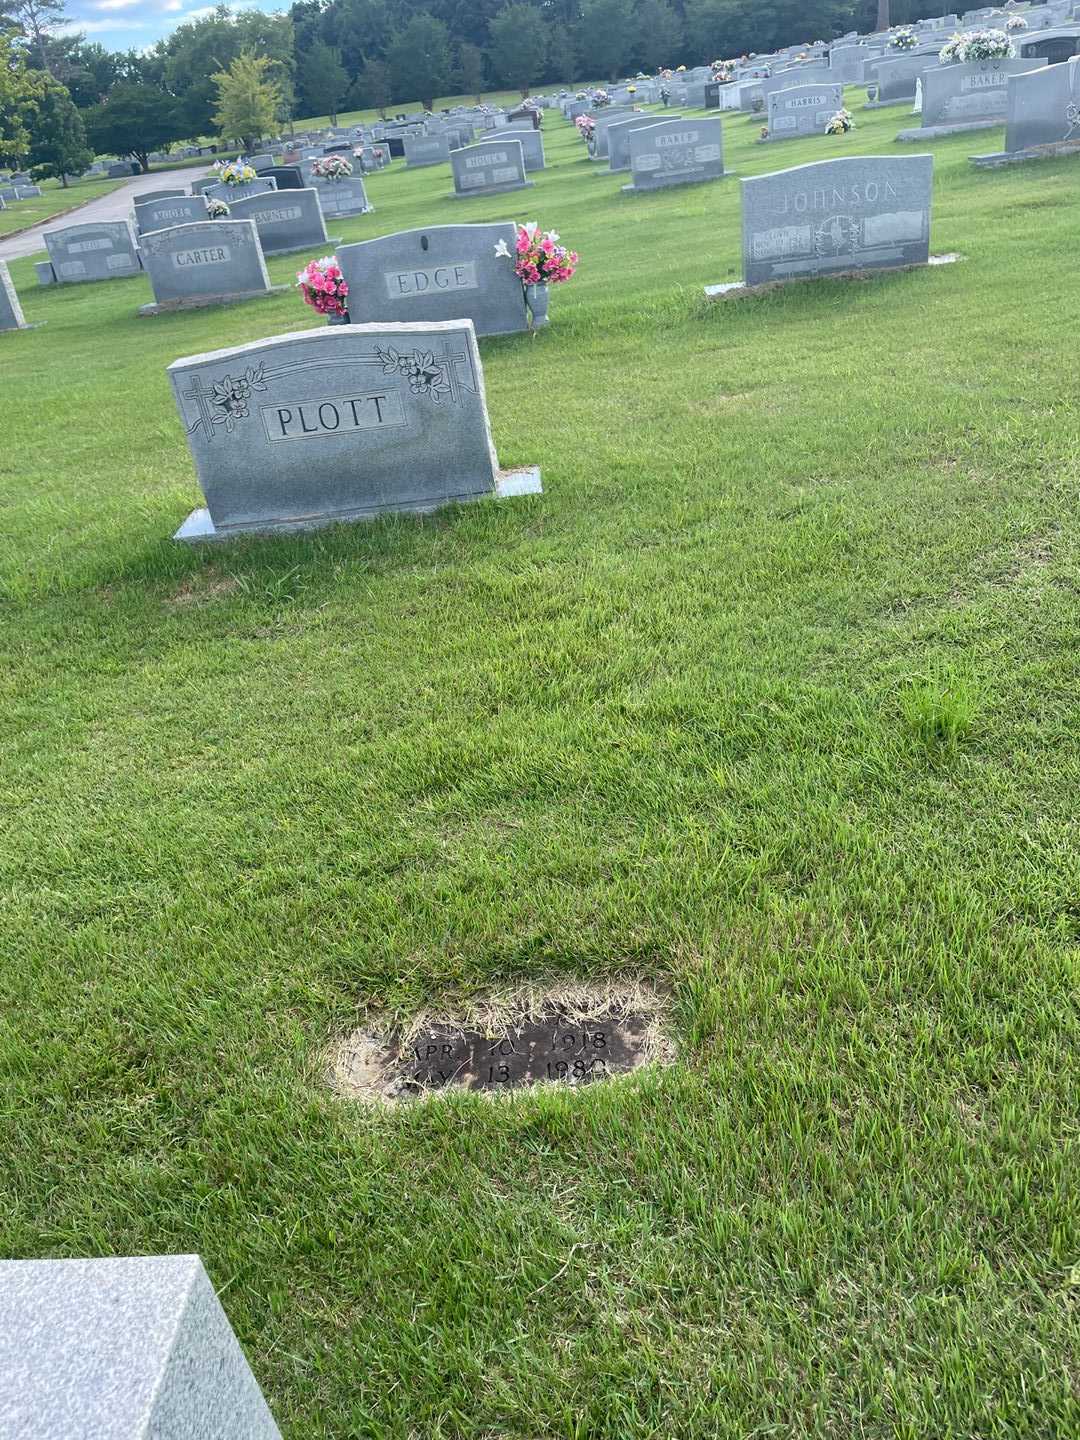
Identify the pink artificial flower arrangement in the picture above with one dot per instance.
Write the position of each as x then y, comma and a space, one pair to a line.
323, 286
585, 126
541, 260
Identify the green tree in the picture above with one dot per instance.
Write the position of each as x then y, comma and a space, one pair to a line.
248, 99
518, 46
359, 29
191, 56
659, 38
469, 75
605, 37
58, 137
373, 87
20, 90
419, 60
36, 20
134, 120
562, 61
322, 81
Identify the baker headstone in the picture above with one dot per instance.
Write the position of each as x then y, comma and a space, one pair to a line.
104, 250
676, 152
973, 95
490, 167
122, 1349
207, 263
345, 423
444, 272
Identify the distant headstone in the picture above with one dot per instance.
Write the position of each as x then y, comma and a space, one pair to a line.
208, 263
340, 198
426, 150
803, 110
286, 220
676, 152
178, 210
895, 77
144, 197
11, 315
1042, 116
857, 213
123, 167
619, 137
261, 163
286, 177
973, 95
532, 144
345, 423
122, 1349
28, 192
444, 272
229, 193
46, 275
104, 250
489, 168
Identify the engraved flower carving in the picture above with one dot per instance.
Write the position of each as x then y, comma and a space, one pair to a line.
231, 395
425, 374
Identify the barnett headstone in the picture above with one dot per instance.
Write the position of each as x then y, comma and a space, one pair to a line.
676, 152
803, 110
206, 263
489, 167
122, 1349
857, 213
105, 250
346, 423
444, 272
287, 220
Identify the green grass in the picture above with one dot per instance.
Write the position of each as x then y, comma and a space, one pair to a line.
53, 200
772, 698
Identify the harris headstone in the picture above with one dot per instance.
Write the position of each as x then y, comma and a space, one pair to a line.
803, 110
346, 423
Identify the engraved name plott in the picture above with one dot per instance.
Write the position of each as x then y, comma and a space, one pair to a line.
338, 415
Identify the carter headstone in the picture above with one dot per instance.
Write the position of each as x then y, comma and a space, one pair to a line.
344, 423
204, 264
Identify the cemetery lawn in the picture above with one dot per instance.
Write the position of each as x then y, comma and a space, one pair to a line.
771, 699
53, 200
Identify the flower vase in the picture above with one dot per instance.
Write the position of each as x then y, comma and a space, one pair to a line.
537, 298
338, 319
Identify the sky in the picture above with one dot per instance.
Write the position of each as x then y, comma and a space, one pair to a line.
135, 24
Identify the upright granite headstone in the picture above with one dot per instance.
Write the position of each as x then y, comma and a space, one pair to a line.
338, 424
104, 250
803, 110
122, 1349
11, 315
532, 144
619, 137
160, 214
207, 263
426, 150
145, 197
217, 191
489, 167
676, 152
865, 212
895, 77
968, 96
341, 198
286, 220
445, 272
1043, 107
286, 177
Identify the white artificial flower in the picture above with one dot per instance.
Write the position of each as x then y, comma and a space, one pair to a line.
500, 250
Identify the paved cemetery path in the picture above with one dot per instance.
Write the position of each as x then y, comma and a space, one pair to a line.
116, 205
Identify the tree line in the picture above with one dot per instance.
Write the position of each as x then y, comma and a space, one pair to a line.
244, 73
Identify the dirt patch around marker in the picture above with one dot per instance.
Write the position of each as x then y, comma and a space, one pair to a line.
569, 1035
201, 589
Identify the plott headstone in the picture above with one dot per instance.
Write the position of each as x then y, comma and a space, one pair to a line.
426, 150
490, 167
803, 110
445, 272
122, 1349
287, 220
11, 315
619, 137
207, 263
216, 191
339, 424
858, 213
160, 214
102, 251
676, 152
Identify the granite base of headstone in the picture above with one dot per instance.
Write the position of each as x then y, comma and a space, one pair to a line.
122, 1349
349, 423
45, 273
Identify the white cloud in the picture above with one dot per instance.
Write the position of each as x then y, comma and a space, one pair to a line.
115, 4
97, 27
173, 5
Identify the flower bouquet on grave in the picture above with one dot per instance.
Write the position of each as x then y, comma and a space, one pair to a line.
235, 172
987, 45
764, 132
1015, 23
539, 261
951, 53
840, 123
903, 38
332, 167
585, 126
600, 98
325, 289
217, 210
